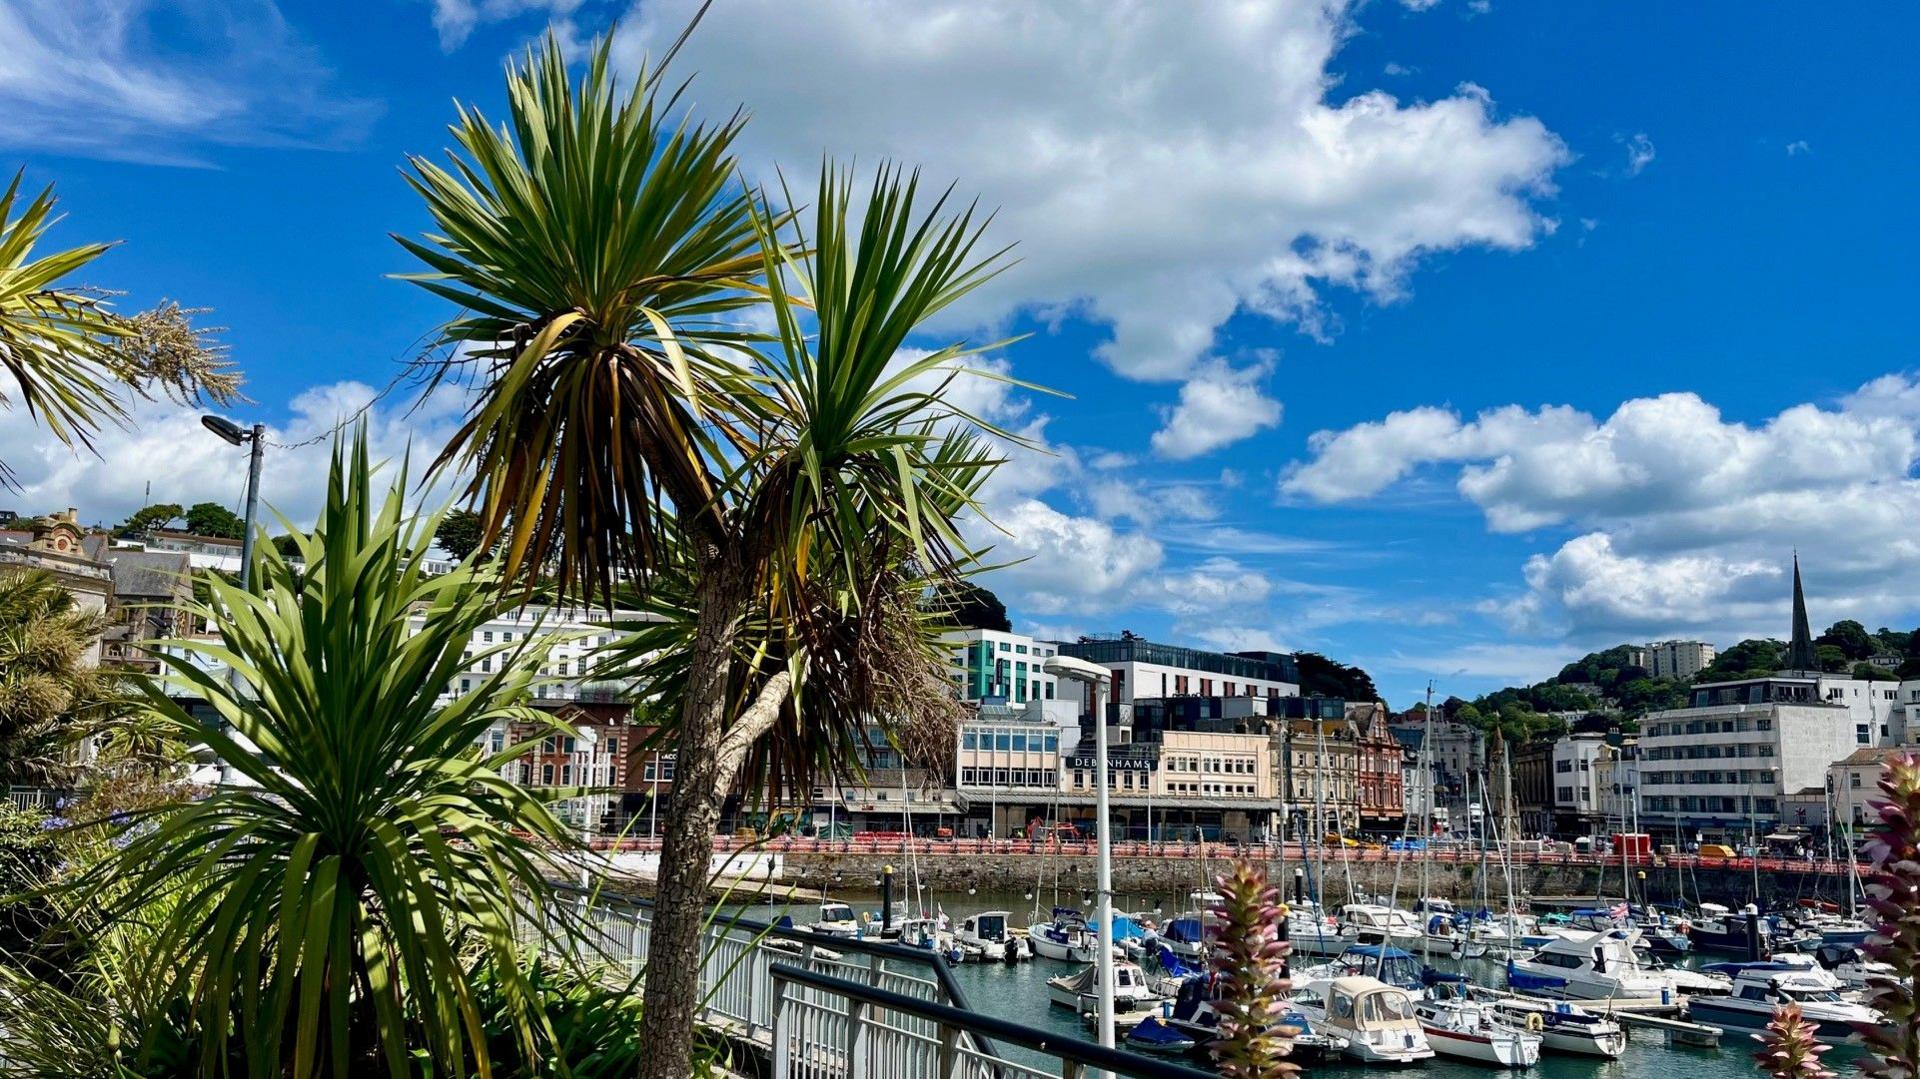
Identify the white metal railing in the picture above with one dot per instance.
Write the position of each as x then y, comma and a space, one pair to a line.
738, 954
832, 1028
34, 797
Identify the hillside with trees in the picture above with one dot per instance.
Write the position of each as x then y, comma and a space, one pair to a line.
1609, 681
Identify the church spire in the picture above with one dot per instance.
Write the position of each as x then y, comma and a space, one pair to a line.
1800, 654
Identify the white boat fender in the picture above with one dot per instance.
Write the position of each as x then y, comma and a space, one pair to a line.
1536, 1022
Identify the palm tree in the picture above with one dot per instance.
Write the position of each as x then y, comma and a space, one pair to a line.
50, 694
321, 914
70, 357
790, 487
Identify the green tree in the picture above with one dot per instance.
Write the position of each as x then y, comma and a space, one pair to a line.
213, 519
459, 533
148, 518
1749, 659
627, 428
971, 606
1850, 637
1832, 657
320, 917
72, 361
1323, 677
51, 693
1871, 673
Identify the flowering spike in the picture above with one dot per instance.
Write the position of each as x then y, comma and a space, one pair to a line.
1250, 971
1790, 1048
1893, 892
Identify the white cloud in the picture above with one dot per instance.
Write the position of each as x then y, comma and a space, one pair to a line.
168, 450
1076, 565
1395, 69
1514, 664
1798, 147
1683, 519
1218, 407
153, 82
454, 20
1640, 152
1144, 503
1162, 166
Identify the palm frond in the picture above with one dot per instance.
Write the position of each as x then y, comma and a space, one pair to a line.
321, 912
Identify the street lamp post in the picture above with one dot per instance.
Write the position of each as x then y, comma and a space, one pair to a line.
1094, 676
255, 440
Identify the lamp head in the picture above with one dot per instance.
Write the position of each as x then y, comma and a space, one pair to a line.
225, 428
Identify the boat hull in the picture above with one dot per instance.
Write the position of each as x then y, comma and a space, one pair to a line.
1503, 1049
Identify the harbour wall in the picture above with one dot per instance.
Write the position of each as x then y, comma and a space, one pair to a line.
852, 875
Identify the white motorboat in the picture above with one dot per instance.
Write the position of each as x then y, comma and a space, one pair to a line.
1186, 934
1080, 991
986, 935
1505, 936
1371, 923
1195, 1016
1457, 1026
1375, 1018
1850, 965
1760, 988
1565, 1028
1605, 966
1312, 932
1066, 937
836, 920
932, 935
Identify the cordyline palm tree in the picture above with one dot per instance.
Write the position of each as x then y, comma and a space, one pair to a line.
50, 695
626, 430
324, 918
71, 358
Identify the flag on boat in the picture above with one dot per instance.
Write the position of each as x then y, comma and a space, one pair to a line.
1617, 911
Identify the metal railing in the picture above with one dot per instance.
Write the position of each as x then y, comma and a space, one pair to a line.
833, 1028
738, 957
35, 797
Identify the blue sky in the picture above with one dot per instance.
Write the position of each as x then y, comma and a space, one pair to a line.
1285, 256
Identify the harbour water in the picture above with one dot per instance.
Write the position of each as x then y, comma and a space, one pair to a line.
1019, 993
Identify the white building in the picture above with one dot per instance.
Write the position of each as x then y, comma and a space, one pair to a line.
1576, 780
1679, 659
1141, 668
989, 665
1725, 766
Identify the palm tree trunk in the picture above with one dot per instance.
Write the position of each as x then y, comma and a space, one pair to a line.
680, 903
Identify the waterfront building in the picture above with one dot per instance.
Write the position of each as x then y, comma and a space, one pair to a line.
990, 665
1379, 759
1143, 669
1576, 782
1679, 660
1007, 764
1532, 812
1855, 785
1724, 765
54, 545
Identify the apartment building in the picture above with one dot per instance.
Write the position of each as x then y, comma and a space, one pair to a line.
988, 665
1142, 668
1725, 767
1679, 659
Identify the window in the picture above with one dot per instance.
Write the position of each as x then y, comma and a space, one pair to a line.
566, 775
1861, 735
487, 637
969, 741
546, 775
1003, 742
666, 770
1853, 780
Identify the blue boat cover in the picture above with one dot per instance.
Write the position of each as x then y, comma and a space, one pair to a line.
1520, 979
1185, 930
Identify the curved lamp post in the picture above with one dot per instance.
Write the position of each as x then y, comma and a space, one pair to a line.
1096, 676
